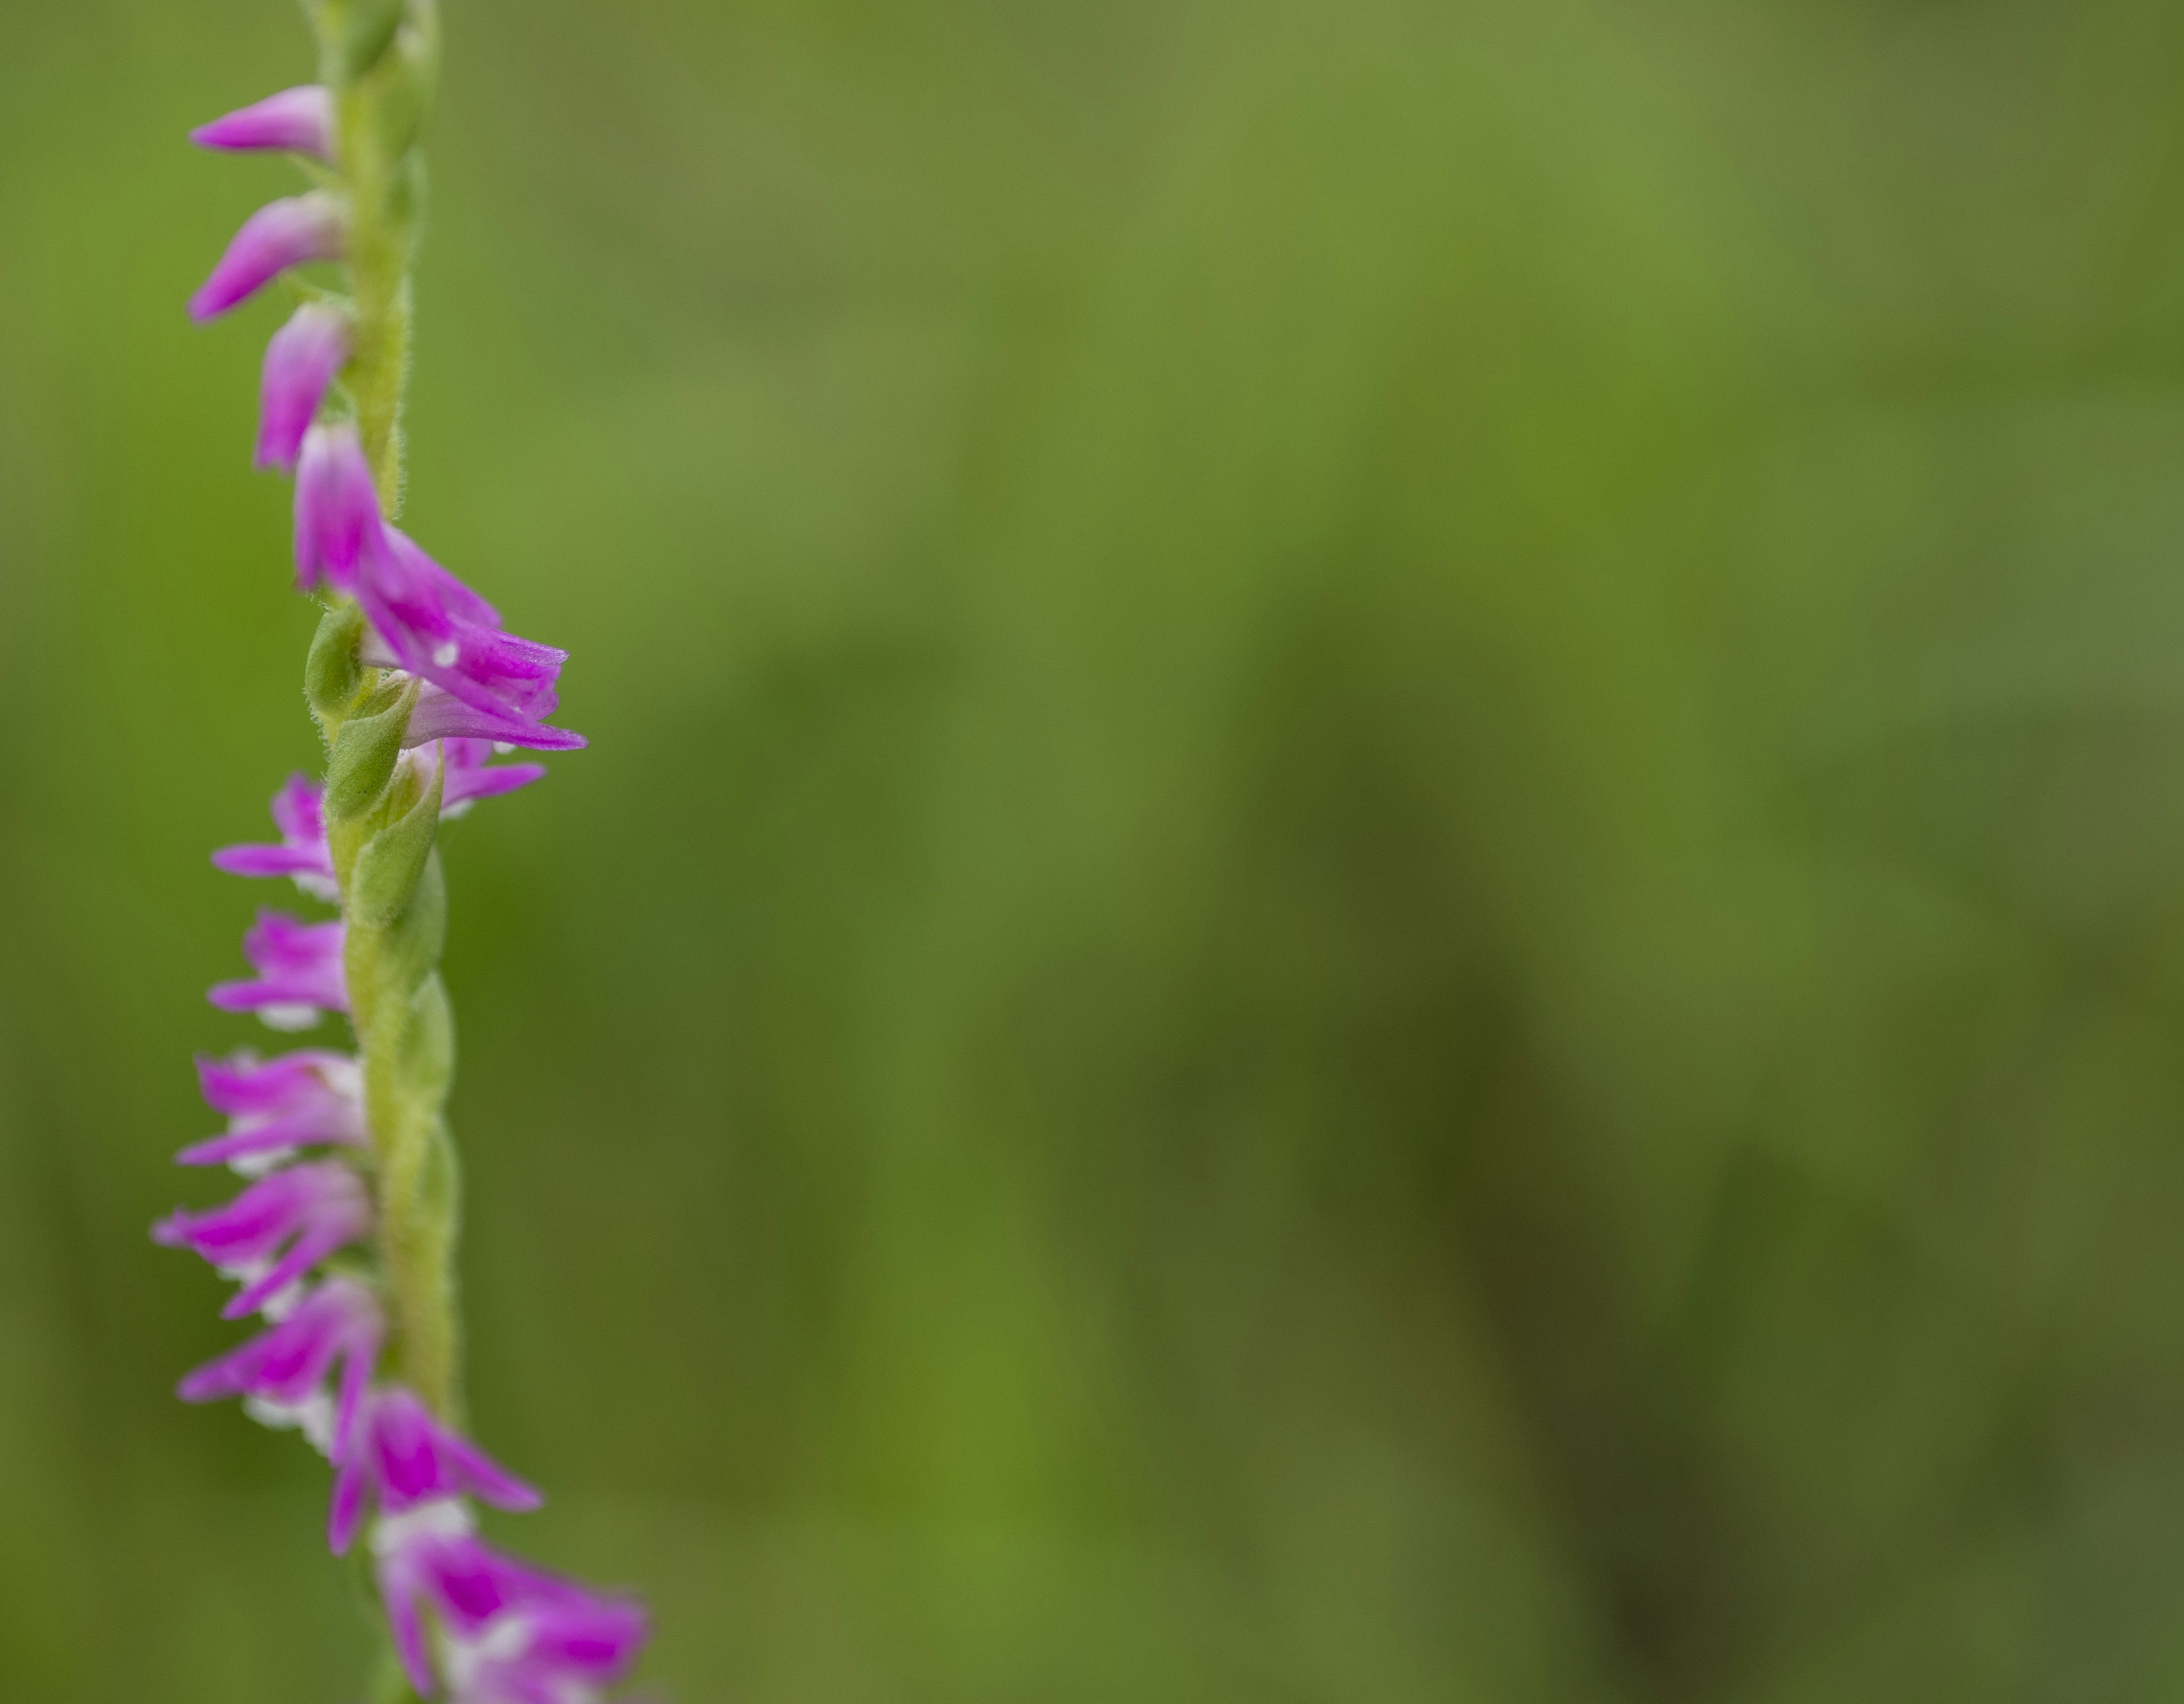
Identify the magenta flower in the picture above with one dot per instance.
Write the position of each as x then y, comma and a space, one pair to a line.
470, 774
299, 972
302, 853
275, 1231
404, 1457
478, 1627
301, 361
511, 1633
336, 508
558, 1646
281, 1373
295, 121
306, 1099
280, 235
430, 623
424, 619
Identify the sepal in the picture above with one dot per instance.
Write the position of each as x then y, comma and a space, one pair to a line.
331, 674
388, 867
409, 946
364, 756
356, 35
404, 86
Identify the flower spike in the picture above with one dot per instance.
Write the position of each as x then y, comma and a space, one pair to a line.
415, 687
278, 236
294, 121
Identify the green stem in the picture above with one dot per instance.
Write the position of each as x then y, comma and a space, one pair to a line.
379, 108
378, 58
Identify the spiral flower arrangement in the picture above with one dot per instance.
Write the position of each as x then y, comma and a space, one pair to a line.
343, 1240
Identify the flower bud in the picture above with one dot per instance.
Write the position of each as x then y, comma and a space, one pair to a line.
294, 121
280, 235
337, 521
300, 364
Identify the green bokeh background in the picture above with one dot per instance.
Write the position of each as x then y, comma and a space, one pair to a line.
1381, 896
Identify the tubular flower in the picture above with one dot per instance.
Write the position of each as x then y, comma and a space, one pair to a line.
430, 623
423, 619
280, 1374
336, 508
305, 1100
275, 1231
300, 363
302, 853
299, 972
280, 235
294, 121
404, 1457
509, 1633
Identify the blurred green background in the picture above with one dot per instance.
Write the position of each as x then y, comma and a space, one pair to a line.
1381, 897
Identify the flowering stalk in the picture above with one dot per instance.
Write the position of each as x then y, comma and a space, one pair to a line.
344, 1240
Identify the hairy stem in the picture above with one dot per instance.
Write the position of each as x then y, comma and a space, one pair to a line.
378, 58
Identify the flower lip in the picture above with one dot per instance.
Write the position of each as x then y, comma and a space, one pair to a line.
441, 715
280, 235
299, 120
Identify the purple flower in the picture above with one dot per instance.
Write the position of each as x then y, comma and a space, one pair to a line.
275, 1231
441, 716
280, 235
429, 622
296, 120
302, 853
555, 1647
299, 972
424, 619
300, 363
511, 1633
275, 1106
471, 775
405, 1457
336, 508
280, 1374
